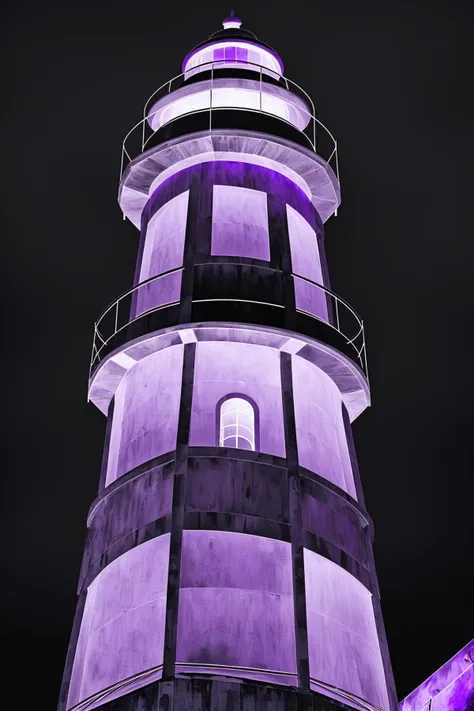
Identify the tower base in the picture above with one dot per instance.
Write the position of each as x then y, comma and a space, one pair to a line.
217, 694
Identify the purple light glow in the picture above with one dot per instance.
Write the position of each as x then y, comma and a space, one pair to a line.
236, 602
231, 22
122, 629
223, 156
342, 637
240, 222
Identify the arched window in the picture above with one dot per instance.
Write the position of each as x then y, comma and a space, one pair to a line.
237, 423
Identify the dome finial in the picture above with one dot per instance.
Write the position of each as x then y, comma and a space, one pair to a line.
232, 22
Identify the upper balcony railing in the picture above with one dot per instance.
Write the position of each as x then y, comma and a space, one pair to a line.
317, 136
154, 304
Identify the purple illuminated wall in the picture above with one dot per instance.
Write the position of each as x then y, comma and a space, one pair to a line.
162, 251
306, 262
342, 636
164, 242
122, 627
246, 369
240, 222
145, 418
236, 604
321, 436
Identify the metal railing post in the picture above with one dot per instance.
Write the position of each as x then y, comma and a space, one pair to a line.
121, 164
365, 366
116, 317
210, 98
260, 89
143, 130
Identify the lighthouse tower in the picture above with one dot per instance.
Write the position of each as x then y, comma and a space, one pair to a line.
228, 563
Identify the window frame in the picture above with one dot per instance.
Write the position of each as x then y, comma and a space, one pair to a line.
256, 420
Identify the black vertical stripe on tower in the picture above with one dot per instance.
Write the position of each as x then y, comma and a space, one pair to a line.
274, 206
280, 239
177, 515
141, 246
197, 244
353, 456
319, 230
71, 652
296, 522
187, 279
105, 453
382, 637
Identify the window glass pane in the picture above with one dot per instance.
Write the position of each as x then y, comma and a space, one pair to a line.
237, 424
230, 53
244, 443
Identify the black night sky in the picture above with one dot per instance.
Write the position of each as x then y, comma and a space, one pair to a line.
393, 82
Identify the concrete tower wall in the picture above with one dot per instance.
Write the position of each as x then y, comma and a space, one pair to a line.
237, 209
228, 563
237, 598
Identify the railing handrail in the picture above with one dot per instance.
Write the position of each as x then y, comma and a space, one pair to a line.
205, 264
331, 293
361, 352
134, 288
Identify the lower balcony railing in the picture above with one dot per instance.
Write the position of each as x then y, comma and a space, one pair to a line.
235, 292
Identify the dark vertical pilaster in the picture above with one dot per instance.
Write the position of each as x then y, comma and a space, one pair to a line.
71, 652
353, 457
319, 229
105, 453
141, 246
279, 235
274, 218
382, 637
177, 520
203, 198
296, 522
166, 696
186, 297
197, 246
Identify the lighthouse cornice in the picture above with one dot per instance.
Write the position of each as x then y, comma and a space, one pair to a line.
121, 353
308, 170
